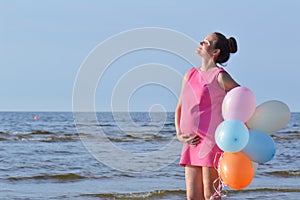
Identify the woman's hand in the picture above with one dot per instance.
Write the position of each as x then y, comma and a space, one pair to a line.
190, 140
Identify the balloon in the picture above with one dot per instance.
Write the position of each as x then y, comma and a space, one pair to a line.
36, 117
231, 135
239, 103
270, 116
255, 166
261, 147
236, 170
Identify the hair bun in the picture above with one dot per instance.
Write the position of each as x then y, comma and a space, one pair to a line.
232, 45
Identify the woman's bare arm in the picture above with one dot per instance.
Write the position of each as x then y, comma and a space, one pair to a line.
226, 82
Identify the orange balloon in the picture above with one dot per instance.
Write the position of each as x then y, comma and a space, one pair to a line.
236, 170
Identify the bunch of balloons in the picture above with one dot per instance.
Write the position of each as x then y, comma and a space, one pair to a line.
243, 135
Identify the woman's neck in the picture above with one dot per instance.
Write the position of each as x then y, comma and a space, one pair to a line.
208, 65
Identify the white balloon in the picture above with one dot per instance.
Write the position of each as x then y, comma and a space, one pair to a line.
255, 165
270, 116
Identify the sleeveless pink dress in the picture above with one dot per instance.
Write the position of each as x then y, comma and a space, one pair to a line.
201, 113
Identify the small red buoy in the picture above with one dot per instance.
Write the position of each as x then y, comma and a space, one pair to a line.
36, 117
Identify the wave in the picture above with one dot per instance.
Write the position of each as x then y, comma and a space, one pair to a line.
296, 125
133, 137
113, 139
41, 133
265, 190
38, 136
58, 139
17, 133
35, 132
291, 131
58, 177
3, 133
146, 136
181, 194
104, 125
285, 174
289, 135
94, 124
157, 194
141, 124
46, 138
169, 124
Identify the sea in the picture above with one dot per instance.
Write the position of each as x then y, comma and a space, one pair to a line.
105, 155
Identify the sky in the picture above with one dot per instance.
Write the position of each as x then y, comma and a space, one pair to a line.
44, 45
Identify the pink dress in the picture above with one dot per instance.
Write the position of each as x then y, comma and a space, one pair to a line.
201, 113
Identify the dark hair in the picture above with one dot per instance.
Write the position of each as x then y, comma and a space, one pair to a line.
226, 47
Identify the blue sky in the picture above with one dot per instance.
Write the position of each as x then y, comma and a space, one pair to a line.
44, 43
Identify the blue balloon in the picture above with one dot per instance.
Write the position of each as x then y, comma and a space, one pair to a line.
261, 147
232, 135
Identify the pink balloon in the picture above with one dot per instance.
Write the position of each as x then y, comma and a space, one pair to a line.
36, 117
239, 103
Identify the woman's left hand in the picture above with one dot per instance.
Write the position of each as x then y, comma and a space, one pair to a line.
193, 140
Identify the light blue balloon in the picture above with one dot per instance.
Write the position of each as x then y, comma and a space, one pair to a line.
232, 135
261, 147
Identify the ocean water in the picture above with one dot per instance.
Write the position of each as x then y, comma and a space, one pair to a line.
119, 156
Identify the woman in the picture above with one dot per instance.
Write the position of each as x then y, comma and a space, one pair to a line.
199, 112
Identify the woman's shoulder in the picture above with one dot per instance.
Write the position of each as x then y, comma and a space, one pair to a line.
221, 69
226, 81
192, 69
190, 72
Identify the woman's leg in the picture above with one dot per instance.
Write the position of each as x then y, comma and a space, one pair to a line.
210, 174
193, 180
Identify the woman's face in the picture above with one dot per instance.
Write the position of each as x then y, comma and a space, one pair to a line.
205, 47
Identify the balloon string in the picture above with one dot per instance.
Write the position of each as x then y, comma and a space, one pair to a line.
219, 182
